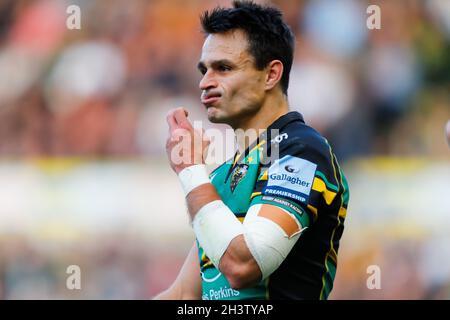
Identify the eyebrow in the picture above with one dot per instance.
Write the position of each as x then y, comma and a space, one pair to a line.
201, 65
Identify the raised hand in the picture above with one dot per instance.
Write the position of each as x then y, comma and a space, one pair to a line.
185, 145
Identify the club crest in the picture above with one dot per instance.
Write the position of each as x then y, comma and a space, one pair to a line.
239, 172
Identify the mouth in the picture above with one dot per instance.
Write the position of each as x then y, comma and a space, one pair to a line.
209, 99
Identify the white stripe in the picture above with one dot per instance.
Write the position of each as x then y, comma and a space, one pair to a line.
210, 280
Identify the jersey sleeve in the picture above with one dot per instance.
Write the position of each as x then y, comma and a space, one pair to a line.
292, 179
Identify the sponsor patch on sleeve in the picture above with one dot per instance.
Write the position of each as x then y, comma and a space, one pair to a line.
291, 177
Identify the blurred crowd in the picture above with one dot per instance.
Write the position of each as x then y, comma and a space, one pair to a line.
104, 90
114, 266
124, 266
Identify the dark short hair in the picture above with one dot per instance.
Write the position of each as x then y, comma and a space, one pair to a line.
269, 37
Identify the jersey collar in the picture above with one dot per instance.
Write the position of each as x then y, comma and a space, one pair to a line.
278, 125
285, 119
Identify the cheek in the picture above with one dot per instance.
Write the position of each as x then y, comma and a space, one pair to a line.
250, 89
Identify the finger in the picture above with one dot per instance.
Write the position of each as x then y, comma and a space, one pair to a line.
203, 134
206, 140
180, 115
171, 121
180, 133
203, 137
448, 132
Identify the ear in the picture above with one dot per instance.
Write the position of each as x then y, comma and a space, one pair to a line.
274, 73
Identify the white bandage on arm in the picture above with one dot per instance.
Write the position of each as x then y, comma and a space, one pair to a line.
216, 226
193, 177
267, 241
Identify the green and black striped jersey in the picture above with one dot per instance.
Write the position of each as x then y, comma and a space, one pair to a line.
291, 166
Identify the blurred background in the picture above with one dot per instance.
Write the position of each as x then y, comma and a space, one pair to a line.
83, 173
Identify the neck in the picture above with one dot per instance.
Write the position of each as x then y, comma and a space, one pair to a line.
248, 130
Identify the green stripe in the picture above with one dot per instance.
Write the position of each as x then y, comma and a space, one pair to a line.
303, 218
329, 279
331, 268
327, 183
345, 184
266, 284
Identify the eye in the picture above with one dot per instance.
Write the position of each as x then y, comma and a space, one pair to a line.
202, 70
223, 68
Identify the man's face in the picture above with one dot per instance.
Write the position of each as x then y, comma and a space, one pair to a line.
232, 88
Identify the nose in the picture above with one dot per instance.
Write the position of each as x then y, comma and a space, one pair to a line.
208, 81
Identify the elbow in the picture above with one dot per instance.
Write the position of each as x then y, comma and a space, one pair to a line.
238, 284
242, 276
236, 279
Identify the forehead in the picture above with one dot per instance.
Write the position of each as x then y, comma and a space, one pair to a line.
231, 45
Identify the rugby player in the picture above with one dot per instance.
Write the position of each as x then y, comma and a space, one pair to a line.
264, 229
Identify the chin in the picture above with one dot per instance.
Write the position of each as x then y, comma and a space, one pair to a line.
214, 115
215, 119
219, 115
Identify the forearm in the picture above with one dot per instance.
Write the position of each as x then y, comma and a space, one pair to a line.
177, 293
199, 197
215, 225
237, 261
173, 293
239, 265
187, 285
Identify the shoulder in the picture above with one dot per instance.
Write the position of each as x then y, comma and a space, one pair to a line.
299, 139
216, 169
